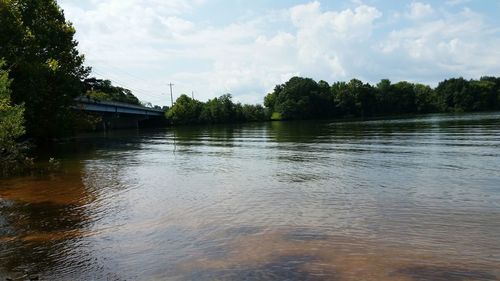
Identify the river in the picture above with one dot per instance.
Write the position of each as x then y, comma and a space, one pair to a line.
401, 199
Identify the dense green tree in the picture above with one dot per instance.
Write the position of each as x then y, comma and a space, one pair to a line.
39, 48
270, 102
323, 101
486, 93
219, 110
254, 113
215, 111
296, 98
11, 126
453, 95
404, 98
384, 96
395, 98
270, 99
103, 90
185, 111
354, 98
343, 98
364, 98
303, 98
425, 99
11, 116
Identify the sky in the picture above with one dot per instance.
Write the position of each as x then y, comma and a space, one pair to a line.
245, 48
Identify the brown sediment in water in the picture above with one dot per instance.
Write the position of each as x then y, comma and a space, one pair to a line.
335, 258
43, 209
63, 190
43, 237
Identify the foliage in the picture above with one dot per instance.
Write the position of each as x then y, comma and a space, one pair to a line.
11, 128
302, 98
276, 116
39, 48
185, 111
11, 121
425, 99
86, 121
254, 113
217, 110
103, 90
353, 99
474, 95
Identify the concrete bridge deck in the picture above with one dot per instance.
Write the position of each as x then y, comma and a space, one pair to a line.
87, 104
118, 115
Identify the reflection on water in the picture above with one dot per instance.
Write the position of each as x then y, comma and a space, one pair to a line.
405, 199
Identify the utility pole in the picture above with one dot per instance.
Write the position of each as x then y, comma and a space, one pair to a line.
171, 95
192, 94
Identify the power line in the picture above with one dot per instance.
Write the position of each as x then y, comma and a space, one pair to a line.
121, 84
123, 71
149, 96
117, 81
147, 93
137, 78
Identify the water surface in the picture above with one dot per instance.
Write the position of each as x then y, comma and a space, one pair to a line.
402, 199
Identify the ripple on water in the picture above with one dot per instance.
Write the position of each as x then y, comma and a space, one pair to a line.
396, 200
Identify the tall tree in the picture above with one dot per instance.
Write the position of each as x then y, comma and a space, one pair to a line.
404, 97
453, 94
39, 47
103, 90
185, 111
11, 125
344, 99
425, 99
296, 99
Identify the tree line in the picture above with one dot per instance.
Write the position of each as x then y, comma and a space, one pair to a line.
187, 110
304, 98
104, 90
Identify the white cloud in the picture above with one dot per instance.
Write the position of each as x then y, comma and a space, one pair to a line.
146, 44
456, 44
176, 24
420, 10
327, 41
456, 2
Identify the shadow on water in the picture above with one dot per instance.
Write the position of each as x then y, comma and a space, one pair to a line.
435, 273
308, 254
282, 268
306, 235
242, 231
297, 132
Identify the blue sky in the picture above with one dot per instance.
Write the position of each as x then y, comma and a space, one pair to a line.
245, 48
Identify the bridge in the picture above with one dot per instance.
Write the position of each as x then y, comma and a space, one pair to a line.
118, 115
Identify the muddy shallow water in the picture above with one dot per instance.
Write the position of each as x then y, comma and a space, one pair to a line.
402, 199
